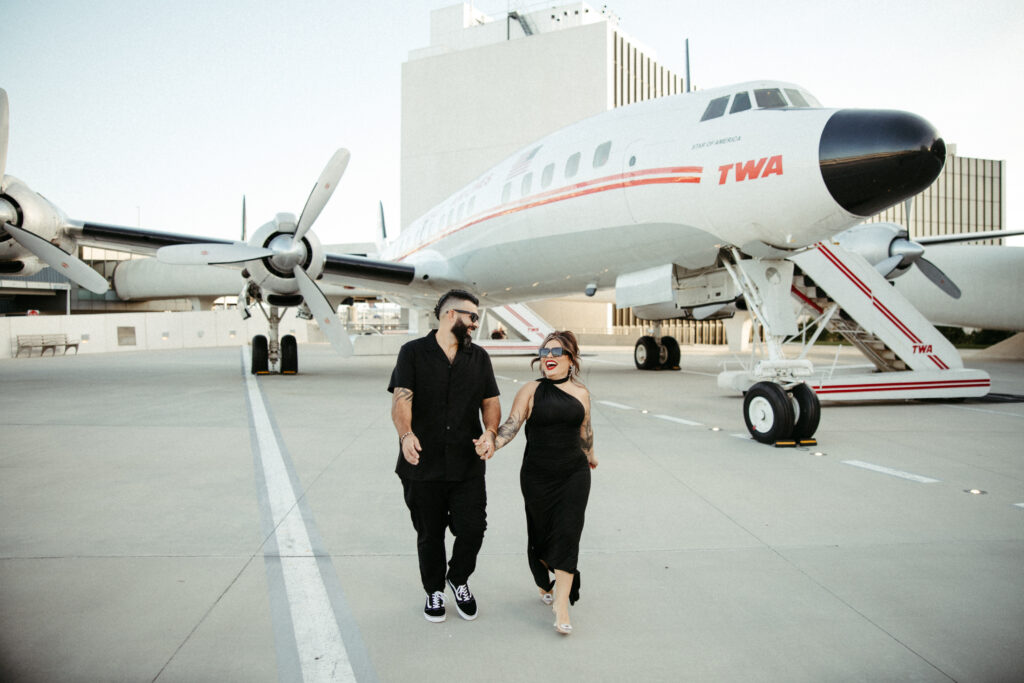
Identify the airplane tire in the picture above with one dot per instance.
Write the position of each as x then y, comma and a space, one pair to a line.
670, 353
807, 411
646, 354
768, 413
260, 355
289, 355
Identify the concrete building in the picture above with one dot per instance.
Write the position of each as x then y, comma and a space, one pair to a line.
486, 86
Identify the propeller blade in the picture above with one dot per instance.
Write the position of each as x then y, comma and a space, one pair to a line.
383, 227
322, 191
75, 269
5, 126
888, 265
208, 254
243, 217
941, 280
324, 314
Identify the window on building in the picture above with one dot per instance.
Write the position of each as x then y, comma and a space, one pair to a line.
797, 98
601, 154
740, 103
716, 108
547, 175
572, 165
769, 98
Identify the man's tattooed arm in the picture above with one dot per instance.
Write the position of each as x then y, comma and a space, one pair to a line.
401, 409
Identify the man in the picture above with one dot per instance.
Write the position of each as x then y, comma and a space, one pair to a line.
441, 384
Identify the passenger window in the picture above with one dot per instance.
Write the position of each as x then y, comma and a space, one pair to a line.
716, 108
548, 175
740, 103
527, 181
601, 154
769, 98
472, 203
506, 193
451, 216
572, 165
462, 212
796, 98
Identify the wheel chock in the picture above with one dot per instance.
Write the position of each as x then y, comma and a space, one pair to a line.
785, 444
808, 442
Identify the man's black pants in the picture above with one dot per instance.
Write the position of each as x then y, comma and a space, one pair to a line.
437, 505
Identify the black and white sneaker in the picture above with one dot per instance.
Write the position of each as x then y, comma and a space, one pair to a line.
464, 601
434, 609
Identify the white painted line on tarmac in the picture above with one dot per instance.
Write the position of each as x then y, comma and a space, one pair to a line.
680, 420
895, 473
613, 404
321, 649
990, 412
745, 437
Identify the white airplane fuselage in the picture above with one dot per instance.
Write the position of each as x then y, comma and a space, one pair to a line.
672, 189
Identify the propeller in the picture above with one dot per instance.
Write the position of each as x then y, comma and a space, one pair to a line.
5, 126
321, 192
72, 267
285, 251
904, 253
323, 312
206, 254
58, 259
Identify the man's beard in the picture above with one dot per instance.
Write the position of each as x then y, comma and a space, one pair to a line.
461, 332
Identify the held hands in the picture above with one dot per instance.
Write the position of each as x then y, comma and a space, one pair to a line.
592, 461
411, 449
485, 445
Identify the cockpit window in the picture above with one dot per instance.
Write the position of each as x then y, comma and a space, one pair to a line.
740, 103
716, 108
797, 98
769, 98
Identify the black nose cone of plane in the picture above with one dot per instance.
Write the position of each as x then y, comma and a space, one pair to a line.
873, 159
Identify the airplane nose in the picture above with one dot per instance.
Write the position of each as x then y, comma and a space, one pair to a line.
873, 159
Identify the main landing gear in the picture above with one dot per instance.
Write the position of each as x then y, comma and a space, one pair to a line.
778, 416
656, 353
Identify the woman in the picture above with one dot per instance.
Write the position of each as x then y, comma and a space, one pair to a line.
555, 476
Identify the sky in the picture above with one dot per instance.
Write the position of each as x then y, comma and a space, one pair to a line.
164, 114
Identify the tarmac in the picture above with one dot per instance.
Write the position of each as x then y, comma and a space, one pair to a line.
168, 517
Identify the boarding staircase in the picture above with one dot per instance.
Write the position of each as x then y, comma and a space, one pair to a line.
526, 330
911, 358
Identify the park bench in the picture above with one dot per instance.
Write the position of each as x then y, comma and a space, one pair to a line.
44, 342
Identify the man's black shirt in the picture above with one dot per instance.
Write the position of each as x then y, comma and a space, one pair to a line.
446, 400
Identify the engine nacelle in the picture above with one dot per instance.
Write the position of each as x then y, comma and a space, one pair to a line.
37, 215
668, 291
874, 241
274, 273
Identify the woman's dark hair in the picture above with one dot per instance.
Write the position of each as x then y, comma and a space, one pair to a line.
458, 294
568, 341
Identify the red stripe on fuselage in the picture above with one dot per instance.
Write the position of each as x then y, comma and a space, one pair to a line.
612, 182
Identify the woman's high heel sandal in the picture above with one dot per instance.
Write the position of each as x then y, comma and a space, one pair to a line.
564, 629
547, 598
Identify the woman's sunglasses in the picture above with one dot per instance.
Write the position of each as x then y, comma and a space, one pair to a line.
473, 317
555, 352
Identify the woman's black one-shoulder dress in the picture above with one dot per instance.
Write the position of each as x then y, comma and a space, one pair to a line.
555, 480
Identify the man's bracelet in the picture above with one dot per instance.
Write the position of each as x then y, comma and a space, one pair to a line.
492, 432
401, 439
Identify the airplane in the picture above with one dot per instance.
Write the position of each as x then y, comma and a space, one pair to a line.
688, 206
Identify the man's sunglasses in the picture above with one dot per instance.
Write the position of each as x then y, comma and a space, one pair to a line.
555, 351
473, 317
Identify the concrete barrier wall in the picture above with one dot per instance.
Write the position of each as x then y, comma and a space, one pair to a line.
114, 332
